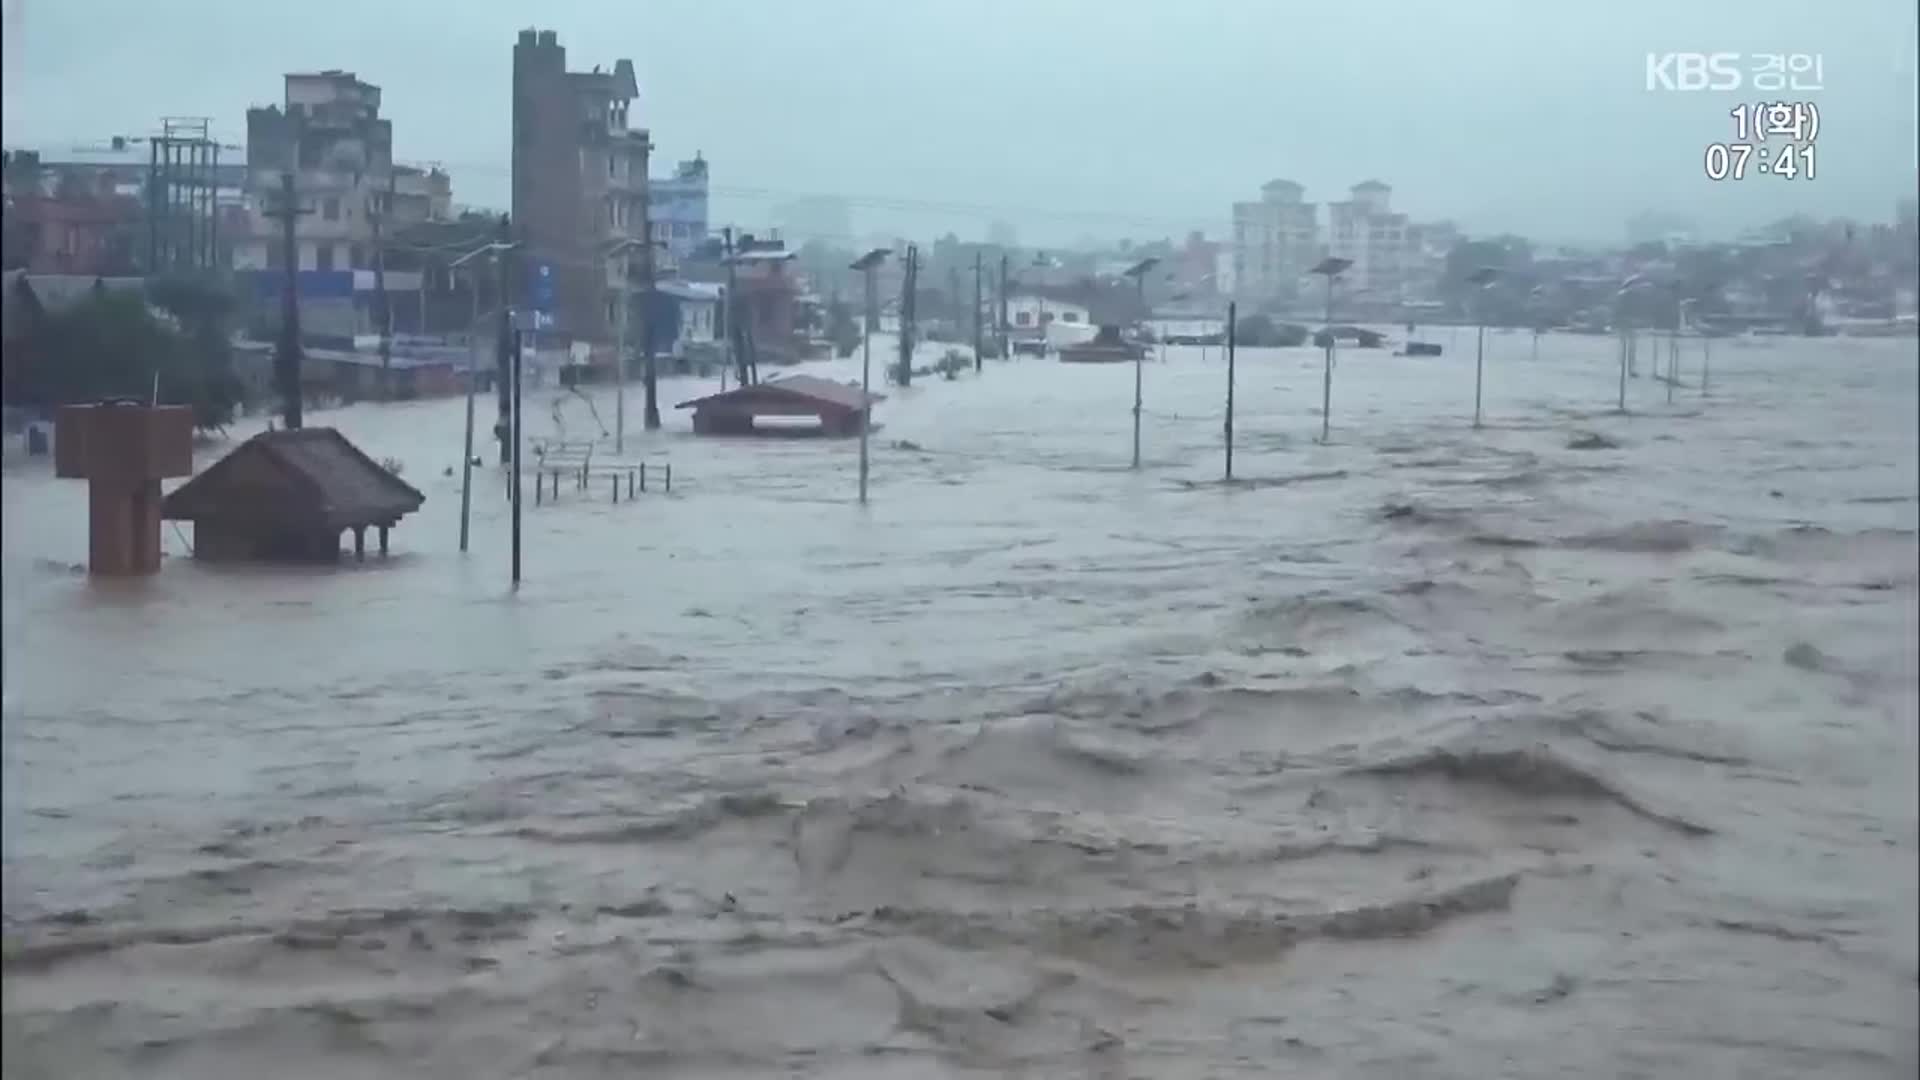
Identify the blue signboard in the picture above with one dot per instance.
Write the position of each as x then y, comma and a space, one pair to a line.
543, 287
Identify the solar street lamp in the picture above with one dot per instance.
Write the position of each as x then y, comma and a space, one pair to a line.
1138, 272
1480, 279
866, 264
1329, 268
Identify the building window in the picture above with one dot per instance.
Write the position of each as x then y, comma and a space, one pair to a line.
1023, 318
612, 313
323, 257
330, 209
612, 165
1070, 316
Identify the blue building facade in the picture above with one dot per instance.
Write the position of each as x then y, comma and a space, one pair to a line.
678, 204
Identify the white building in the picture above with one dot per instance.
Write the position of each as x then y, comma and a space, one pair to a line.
1275, 241
1062, 322
699, 304
1364, 228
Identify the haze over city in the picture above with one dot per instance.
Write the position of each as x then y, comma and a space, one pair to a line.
1065, 118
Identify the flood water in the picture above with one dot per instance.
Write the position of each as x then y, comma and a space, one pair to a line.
1425, 753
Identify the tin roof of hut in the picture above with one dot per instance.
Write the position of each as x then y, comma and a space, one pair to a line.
312, 476
810, 387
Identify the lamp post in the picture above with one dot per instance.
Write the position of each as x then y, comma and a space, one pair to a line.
866, 264
1536, 303
1138, 272
492, 250
1330, 268
1636, 281
616, 250
1480, 278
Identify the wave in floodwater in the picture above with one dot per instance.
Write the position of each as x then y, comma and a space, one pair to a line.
1426, 752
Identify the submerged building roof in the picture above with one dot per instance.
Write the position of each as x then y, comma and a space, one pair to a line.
312, 477
808, 387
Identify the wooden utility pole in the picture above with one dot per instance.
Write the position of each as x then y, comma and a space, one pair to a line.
1003, 308
648, 271
907, 314
1231, 320
735, 345
287, 358
383, 304
977, 268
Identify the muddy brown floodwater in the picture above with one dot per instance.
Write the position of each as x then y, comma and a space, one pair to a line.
1429, 752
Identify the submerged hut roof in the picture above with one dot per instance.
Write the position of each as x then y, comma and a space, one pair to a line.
309, 477
806, 387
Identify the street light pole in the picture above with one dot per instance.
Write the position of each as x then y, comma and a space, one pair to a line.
866, 265
1482, 277
1329, 268
1138, 272
1624, 324
473, 373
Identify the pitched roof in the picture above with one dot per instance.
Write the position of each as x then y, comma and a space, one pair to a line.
312, 476
811, 387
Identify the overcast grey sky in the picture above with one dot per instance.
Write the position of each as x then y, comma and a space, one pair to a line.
1065, 117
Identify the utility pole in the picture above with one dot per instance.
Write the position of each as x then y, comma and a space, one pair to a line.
907, 315
1003, 308
866, 264
287, 358
977, 268
734, 351
1230, 351
620, 353
651, 372
382, 302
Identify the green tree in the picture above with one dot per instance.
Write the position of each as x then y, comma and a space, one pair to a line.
112, 344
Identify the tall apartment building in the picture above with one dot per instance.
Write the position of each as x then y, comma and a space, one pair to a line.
329, 132
579, 183
1364, 228
331, 135
1275, 241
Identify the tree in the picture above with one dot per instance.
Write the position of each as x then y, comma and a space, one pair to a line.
111, 344
842, 328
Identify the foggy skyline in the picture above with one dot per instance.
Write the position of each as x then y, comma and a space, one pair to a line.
1064, 118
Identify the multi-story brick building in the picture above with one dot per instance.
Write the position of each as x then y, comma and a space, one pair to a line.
579, 185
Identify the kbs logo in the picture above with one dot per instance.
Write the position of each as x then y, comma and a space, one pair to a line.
1721, 71
1693, 71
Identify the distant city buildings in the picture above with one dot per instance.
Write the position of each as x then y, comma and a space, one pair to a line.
824, 218
1275, 241
1279, 238
679, 207
579, 186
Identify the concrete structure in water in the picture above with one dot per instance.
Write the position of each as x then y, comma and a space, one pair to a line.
579, 184
123, 450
